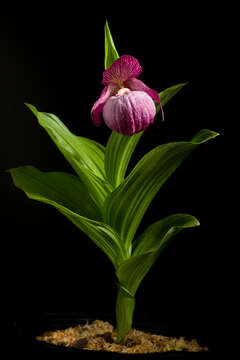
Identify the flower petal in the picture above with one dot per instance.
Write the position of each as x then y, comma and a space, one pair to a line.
99, 104
137, 85
130, 113
125, 67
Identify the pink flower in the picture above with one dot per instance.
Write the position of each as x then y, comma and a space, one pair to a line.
126, 103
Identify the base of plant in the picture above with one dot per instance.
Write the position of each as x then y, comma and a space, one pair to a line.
101, 336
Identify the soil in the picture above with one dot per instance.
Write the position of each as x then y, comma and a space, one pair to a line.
100, 335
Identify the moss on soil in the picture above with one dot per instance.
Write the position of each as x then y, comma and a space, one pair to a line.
100, 335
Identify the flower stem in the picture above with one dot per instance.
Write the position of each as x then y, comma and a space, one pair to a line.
125, 305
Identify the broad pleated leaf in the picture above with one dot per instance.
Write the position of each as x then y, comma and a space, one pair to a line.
156, 236
120, 147
98, 189
78, 150
111, 53
86, 156
65, 189
149, 246
168, 94
119, 150
102, 235
127, 204
68, 195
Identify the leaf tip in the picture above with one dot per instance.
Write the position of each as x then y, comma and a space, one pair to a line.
10, 171
182, 84
190, 221
204, 135
32, 108
185, 83
197, 222
106, 30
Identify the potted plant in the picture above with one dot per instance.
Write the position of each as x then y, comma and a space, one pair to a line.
108, 206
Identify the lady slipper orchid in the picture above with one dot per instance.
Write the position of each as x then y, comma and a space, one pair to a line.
102, 199
126, 103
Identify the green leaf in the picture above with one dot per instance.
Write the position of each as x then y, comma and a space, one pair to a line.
125, 305
157, 235
168, 93
111, 53
68, 195
97, 188
149, 245
119, 150
85, 156
65, 189
120, 147
78, 150
100, 233
127, 204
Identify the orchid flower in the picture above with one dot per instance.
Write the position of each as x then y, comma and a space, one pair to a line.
126, 103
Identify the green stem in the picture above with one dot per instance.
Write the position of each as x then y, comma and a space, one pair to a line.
125, 305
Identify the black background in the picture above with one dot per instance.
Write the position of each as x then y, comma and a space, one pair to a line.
53, 58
